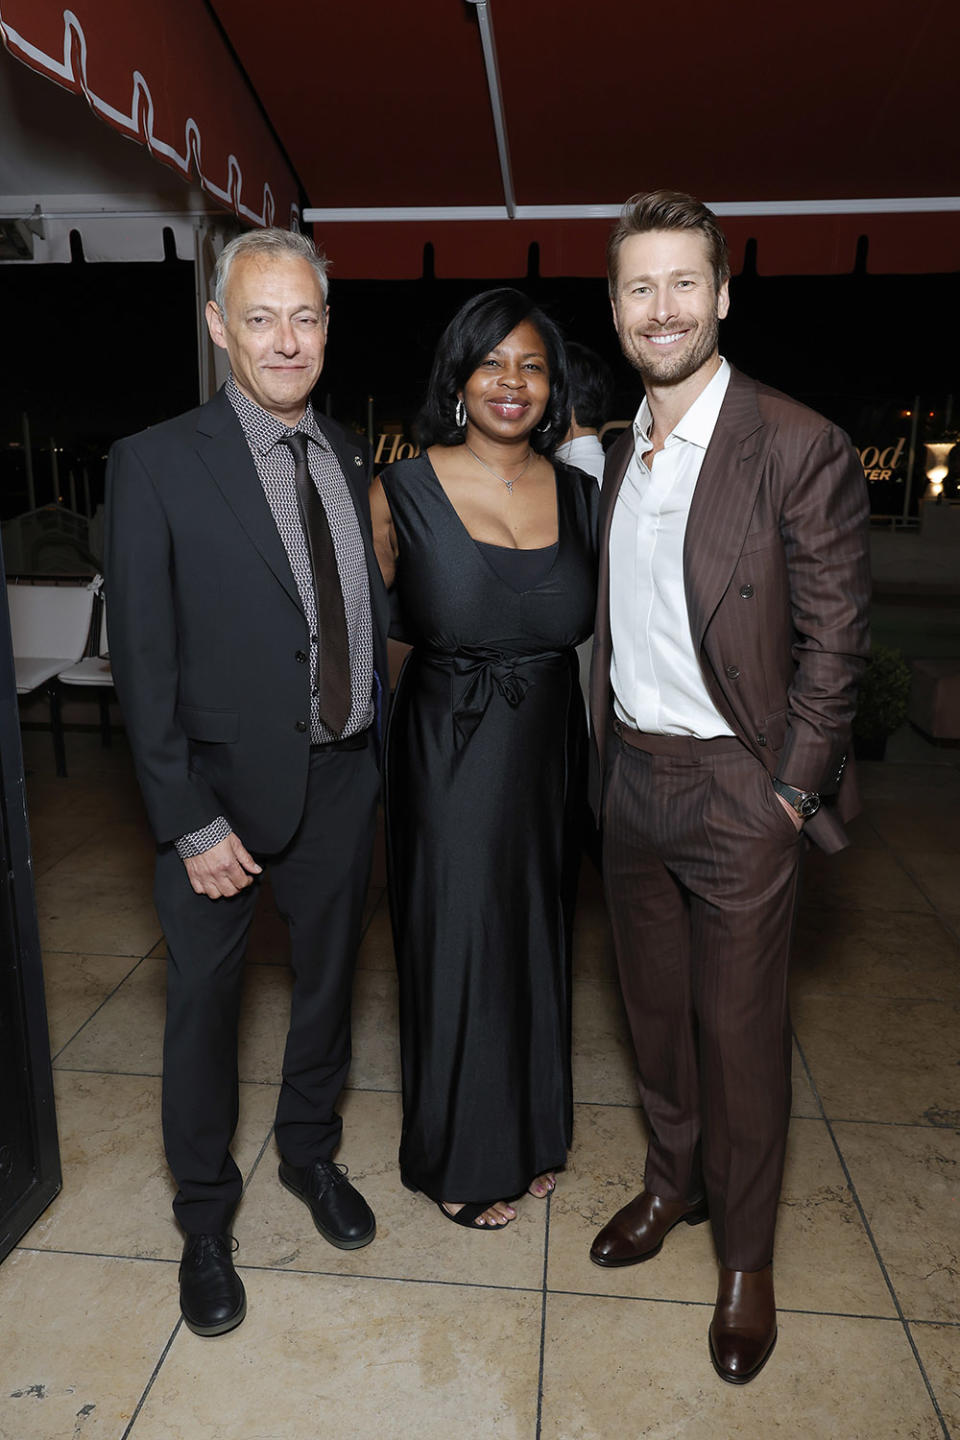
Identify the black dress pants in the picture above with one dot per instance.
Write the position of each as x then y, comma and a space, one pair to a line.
319, 882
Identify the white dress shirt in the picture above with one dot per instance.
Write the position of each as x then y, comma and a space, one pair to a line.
658, 686
585, 453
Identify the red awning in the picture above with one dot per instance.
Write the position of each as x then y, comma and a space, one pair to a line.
163, 75
806, 127
482, 127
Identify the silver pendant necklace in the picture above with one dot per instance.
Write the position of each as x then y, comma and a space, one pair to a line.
509, 483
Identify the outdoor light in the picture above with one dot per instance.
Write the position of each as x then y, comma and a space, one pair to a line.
937, 470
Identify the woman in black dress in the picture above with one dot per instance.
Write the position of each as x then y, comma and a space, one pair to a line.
492, 550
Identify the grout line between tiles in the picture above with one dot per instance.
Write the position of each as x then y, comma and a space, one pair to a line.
885, 1124
926, 912
52, 865
873, 1242
542, 1289
950, 923
137, 962
128, 1074
374, 1089
391, 1279
878, 1124
95, 1254
96, 950
710, 1305
376, 906
156, 1075
293, 1270
873, 997
256, 1164
150, 1383
794, 1115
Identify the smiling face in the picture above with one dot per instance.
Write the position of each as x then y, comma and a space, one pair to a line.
507, 394
665, 306
274, 331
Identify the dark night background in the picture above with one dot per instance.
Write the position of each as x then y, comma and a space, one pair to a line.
97, 351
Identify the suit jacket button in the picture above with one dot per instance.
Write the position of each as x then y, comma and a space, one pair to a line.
300, 656
746, 592
301, 726
733, 672
761, 739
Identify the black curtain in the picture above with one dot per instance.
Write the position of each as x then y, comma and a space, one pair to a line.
29, 1152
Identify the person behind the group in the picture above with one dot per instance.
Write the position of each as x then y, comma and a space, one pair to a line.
731, 632
247, 636
590, 391
492, 549
591, 401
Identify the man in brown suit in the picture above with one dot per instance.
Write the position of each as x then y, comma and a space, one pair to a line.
731, 633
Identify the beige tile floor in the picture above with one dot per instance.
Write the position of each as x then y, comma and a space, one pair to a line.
433, 1332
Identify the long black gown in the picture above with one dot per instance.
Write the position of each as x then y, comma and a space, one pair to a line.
485, 793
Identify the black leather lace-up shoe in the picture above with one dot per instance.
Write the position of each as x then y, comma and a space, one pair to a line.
212, 1297
339, 1211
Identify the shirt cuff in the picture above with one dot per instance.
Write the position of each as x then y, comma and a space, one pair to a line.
201, 840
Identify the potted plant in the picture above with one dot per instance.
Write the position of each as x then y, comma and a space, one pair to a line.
881, 702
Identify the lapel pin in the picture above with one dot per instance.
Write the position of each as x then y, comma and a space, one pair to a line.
357, 460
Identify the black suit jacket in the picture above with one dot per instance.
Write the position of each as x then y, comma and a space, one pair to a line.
207, 632
776, 566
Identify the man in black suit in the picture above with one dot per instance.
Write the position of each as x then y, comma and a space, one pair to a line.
247, 636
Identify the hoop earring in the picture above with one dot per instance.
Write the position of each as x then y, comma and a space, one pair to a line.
542, 428
460, 414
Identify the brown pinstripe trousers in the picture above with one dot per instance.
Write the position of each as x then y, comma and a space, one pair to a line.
701, 870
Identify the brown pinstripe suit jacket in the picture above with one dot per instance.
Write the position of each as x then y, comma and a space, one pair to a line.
777, 578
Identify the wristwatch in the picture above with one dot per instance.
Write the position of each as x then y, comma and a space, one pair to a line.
805, 802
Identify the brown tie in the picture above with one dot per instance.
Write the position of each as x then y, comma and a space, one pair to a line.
333, 657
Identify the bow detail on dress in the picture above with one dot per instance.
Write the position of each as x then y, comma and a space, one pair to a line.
476, 674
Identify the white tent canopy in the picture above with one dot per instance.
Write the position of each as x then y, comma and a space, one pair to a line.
63, 170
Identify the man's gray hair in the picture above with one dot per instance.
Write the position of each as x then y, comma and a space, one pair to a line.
269, 243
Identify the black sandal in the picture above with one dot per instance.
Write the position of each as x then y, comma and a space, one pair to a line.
467, 1215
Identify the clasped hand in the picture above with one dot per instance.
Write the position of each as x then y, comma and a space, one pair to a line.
223, 870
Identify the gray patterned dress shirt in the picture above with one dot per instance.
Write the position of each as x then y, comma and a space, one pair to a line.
276, 467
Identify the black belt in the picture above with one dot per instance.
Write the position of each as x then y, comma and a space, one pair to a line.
349, 742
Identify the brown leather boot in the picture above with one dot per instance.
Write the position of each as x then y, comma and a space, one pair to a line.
637, 1232
743, 1330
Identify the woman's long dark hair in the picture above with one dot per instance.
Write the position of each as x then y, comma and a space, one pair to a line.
476, 329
